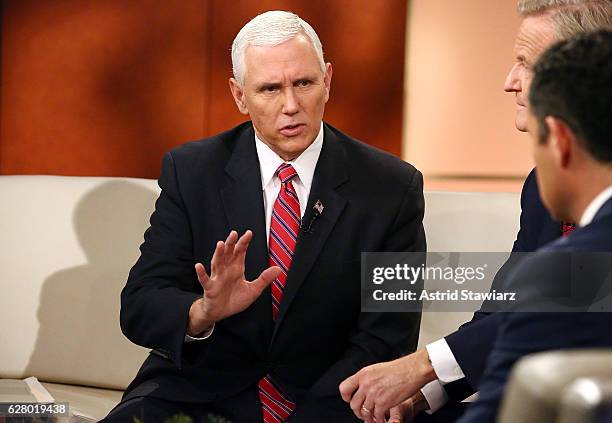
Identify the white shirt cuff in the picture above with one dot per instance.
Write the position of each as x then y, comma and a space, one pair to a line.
444, 362
435, 395
206, 335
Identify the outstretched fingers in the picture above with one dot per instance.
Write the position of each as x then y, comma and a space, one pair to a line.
202, 275
243, 243
217, 262
230, 243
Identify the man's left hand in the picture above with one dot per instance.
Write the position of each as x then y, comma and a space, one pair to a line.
375, 389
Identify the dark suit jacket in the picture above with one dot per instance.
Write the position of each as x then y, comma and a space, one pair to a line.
522, 333
372, 202
473, 341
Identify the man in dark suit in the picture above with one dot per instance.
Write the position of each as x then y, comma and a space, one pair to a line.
570, 103
308, 200
449, 370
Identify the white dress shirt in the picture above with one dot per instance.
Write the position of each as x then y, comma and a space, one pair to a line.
304, 166
442, 359
594, 206
269, 161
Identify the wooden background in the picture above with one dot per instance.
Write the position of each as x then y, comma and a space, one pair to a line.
105, 87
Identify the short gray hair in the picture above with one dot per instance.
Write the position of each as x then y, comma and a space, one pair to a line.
571, 17
270, 29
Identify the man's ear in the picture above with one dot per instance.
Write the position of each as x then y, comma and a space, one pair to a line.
329, 71
562, 141
238, 94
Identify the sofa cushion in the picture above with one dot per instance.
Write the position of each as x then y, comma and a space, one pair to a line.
86, 404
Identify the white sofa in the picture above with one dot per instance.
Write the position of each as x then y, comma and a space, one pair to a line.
67, 244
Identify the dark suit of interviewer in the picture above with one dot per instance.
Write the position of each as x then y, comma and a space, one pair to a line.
371, 201
570, 102
450, 369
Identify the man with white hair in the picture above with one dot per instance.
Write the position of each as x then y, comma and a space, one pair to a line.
450, 369
247, 289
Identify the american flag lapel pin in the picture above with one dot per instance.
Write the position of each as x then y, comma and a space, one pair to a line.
319, 207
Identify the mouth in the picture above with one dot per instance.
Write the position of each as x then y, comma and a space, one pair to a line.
292, 130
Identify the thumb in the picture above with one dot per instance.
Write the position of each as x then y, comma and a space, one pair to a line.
395, 415
202, 275
407, 411
266, 278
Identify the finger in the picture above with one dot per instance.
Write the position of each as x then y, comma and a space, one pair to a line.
395, 415
216, 263
356, 405
348, 387
243, 243
368, 411
202, 275
379, 414
230, 242
407, 410
266, 278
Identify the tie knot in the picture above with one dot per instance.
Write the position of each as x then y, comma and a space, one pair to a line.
285, 172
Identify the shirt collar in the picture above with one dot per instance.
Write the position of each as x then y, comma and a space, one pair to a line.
594, 206
304, 164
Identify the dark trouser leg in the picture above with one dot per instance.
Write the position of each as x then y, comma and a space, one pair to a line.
149, 410
241, 408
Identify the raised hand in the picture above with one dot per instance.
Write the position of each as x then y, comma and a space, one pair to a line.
226, 291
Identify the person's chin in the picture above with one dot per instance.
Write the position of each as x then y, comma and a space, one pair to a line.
521, 119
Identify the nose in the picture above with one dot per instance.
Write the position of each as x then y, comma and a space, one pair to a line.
513, 80
291, 104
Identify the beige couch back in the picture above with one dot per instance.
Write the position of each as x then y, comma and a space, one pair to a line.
466, 221
67, 244
66, 248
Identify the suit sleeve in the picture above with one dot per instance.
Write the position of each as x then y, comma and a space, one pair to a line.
532, 211
378, 336
162, 284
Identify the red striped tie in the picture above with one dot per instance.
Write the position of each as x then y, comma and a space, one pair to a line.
567, 228
275, 407
284, 227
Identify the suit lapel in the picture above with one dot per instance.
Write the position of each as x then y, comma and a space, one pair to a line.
330, 173
242, 198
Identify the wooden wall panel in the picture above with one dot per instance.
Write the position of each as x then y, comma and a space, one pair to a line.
100, 87
1, 80
92, 87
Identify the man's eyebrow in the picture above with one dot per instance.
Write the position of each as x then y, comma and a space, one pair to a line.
311, 77
267, 85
